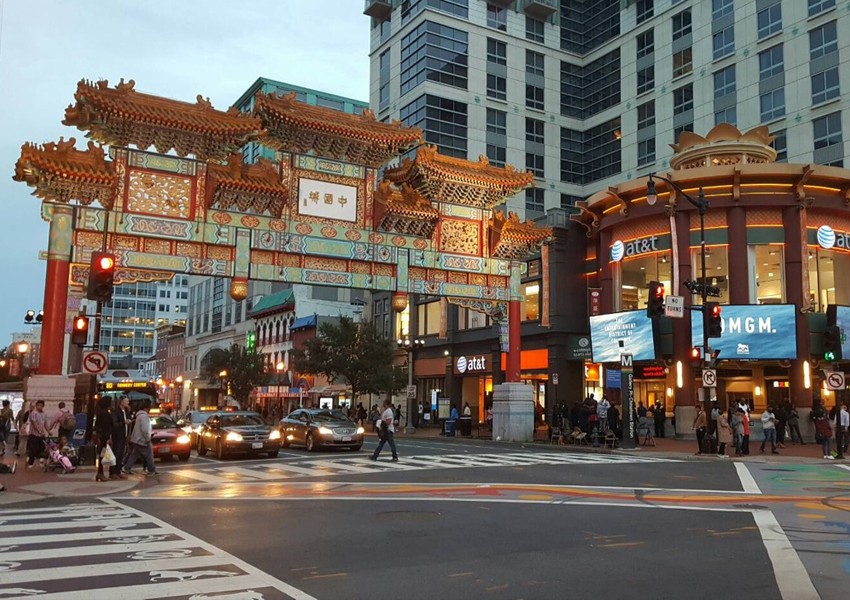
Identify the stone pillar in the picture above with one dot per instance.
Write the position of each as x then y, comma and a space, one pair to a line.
739, 285
56, 289
513, 412
684, 397
796, 260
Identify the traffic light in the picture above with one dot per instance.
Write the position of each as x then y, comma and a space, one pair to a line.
101, 277
715, 328
80, 331
696, 357
832, 343
655, 305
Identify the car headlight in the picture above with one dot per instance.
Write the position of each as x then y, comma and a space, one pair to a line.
232, 436
360, 431
183, 439
275, 434
326, 431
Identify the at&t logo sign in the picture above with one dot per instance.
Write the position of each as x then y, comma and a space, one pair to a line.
471, 364
619, 250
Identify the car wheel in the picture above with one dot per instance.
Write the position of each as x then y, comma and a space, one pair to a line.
202, 448
357, 447
310, 443
184, 457
219, 450
274, 453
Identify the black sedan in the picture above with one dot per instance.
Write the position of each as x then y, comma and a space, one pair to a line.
317, 427
227, 433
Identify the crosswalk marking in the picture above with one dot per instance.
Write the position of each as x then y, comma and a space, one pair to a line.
364, 466
150, 560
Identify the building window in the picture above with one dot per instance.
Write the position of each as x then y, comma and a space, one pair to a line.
720, 8
534, 199
434, 52
646, 114
780, 144
497, 18
818, 6
828, 281
534, 97
727, 115
724, 42
637, 272
645, 80
443, 121
472, 319
535, 164
772, 105
827, 130
497, 87
534, 130
384, 70
646, 152
769, 20
681, 128
683, 99
535, 29
681, 24
823, 40
531, 303
825, 86
645, 43
534, 63
429, 318
682, 62
497, 121
497, 155
724, 82
497, 52
411, 8
766, 268
645, 10
771, 62
587, 156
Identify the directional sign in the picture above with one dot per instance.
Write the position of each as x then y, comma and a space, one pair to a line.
674, 306
709, 378
95, 362
835, 380
411, 391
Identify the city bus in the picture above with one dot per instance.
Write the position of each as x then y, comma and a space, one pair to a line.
138, 387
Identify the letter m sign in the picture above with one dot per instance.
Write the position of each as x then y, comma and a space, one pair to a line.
626, 360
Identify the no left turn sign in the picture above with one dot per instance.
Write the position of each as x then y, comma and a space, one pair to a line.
94, 362
835, 380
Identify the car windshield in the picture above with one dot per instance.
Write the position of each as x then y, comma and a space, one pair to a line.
201, 417
163, 422
326, 416
240, 420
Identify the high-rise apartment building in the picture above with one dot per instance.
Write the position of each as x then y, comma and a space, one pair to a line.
586, 93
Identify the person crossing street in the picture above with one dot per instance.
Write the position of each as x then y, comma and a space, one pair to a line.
386, 429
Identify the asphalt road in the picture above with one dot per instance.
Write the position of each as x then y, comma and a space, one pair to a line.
452, 520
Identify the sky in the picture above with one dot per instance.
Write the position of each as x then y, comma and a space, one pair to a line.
177, 49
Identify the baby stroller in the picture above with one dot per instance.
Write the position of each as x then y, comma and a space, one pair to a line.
65, 459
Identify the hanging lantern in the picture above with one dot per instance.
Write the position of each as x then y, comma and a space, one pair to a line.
399, 301
239, 288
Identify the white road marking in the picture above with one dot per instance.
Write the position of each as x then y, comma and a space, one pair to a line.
747, 482
845, 467
791, 576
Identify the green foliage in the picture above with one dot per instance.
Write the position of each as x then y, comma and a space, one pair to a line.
352, 353
245, 369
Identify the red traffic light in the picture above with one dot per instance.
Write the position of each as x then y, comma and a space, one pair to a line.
659, 290
695, 354
81, 324
80, 331
715, 311
106, 263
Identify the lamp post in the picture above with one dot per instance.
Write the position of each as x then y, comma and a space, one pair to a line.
279, 367
704, 290
221, 376
410, 345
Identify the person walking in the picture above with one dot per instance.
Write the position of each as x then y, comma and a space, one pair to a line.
5, 425
140, 442
737, 424
602, 413
65, 421
699, 426
823, 430
23, 426
768, 424
120, 428
842, 422
745, 441
103, 429
724, 434
659, 415
38, 434
386, 431
794, 425
781, 421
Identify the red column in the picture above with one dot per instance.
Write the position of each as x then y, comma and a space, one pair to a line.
514, 343
53, 326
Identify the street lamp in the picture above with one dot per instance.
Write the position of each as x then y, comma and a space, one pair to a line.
221, 376
279, 367
410, 345
701, 287
23, 348
31, 318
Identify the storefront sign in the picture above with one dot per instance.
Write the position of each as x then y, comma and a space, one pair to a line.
628, 387
620, 250
752, 331
594, 301
650, 372
618, 333
578, 347
471, 364
827, 238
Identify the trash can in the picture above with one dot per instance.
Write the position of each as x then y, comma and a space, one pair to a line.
466, 426
450, 427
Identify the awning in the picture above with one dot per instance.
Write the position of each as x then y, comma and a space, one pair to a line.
327, 390
303, 323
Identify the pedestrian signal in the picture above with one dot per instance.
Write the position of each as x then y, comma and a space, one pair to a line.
101, 277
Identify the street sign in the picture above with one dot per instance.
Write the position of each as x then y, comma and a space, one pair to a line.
709, 378
835, 380
674, 307
94, 362
627, 387
554, 379
411, 392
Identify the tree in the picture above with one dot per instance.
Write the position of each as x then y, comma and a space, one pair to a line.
352, 353
245, 369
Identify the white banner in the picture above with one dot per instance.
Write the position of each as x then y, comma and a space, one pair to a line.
327, 200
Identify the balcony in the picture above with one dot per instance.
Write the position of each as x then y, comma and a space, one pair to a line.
540, 9
378, 9
501, 3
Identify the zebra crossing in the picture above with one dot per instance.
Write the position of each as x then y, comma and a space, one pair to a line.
363, 465
108, 551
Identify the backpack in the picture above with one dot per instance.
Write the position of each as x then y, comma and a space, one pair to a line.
68, 421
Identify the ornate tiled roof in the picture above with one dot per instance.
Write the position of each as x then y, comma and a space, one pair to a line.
251, 188
404, 211
459, 181
121, 116
294, 126
272, 303
59, 172
511, 239
723, 145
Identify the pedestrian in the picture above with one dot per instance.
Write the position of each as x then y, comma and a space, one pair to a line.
396, 415
745, 441
794, 425
453, 415
737, 424
38, 434
781, 421
768, 424
699, 426
6, 419
823, 431
715, 412
386, 431
602, 413
467, 412
103, 430
361, 414
724, 434
488, 417
659, 415
842, 422
65, 421
23, 426
140, 442
614, 421
120, 429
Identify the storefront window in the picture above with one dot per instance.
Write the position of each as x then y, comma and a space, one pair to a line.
531, 304
429, 318
716, 271
472, 319
402, 322
767, 274
829, 278
635, 275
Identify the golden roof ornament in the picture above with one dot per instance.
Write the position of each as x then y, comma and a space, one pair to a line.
723, 145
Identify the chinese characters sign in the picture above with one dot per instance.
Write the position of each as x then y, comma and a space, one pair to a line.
327, 200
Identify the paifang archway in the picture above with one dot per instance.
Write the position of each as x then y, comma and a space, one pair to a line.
314, 215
